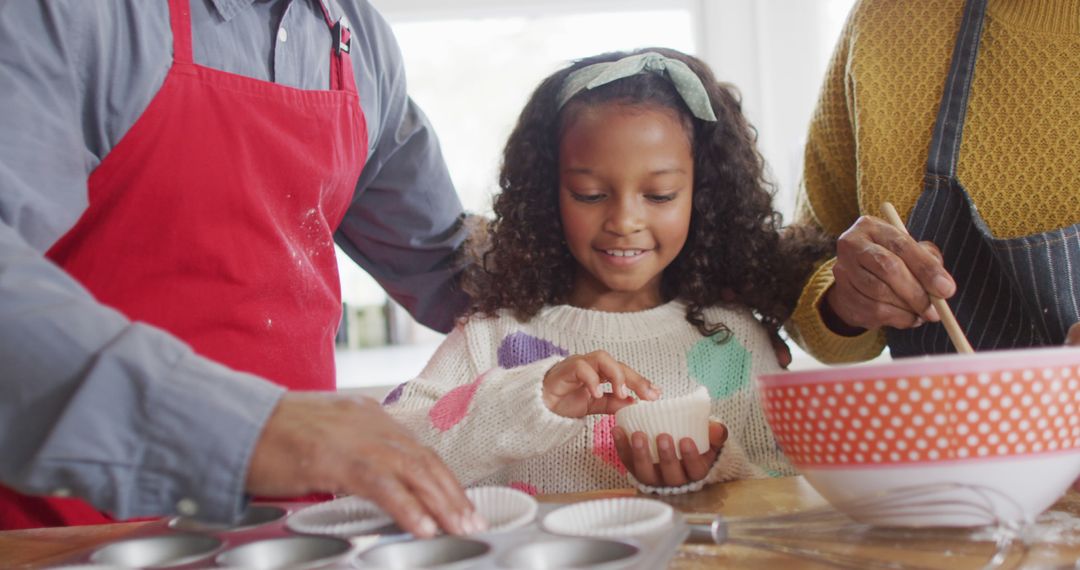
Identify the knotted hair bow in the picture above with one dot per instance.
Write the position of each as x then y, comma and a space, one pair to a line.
686, 82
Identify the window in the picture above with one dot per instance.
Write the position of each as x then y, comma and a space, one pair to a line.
471, 65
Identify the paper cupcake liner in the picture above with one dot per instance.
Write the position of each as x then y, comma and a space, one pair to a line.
344, 517
618, 517
502, 507
687, 416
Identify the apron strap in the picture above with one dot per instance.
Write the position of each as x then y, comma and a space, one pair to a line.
949, 129
180, 22
341, 77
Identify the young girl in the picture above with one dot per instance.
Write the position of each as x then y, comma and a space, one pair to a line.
633, 241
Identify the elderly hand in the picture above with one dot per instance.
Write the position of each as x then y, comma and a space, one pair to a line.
670, 472
884, 278
781, 349
329, 443
572, 387
1073, 338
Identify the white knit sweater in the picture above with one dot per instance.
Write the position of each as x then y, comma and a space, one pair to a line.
478, 401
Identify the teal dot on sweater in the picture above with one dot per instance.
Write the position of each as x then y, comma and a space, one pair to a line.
723, 368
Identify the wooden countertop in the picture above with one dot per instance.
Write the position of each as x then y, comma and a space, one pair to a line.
813, 545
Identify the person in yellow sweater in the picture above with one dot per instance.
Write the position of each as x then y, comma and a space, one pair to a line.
965, 114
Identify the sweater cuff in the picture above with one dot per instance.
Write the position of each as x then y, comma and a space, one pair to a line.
691, 487
811, 333
526, 417
175, 440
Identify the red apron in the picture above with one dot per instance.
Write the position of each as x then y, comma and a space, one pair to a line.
213, 219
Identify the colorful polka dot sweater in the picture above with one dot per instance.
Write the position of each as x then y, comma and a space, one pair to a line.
870, 135
478, 401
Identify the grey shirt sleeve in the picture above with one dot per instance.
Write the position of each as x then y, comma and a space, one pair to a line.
121, 414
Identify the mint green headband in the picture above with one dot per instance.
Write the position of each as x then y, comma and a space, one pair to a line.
686, 82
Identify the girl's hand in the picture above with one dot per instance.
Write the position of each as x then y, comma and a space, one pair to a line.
572, 387
670, 472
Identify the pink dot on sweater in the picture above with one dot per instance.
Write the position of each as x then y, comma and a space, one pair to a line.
451, 408
523, 487
604, 444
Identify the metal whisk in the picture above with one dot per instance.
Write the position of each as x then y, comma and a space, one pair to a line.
828, 536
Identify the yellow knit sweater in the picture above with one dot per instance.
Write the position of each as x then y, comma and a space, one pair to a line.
868, 139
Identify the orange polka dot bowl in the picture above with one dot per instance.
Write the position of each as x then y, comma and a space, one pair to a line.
951, 440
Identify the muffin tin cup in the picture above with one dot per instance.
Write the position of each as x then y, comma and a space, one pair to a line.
444, 553
162, 551
286, 552
91, 567
517, 540
592, 553
255, 516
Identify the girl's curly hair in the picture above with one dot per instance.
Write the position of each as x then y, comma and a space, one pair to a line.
736, 250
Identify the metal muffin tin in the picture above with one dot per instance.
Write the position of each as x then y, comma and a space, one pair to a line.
262, 541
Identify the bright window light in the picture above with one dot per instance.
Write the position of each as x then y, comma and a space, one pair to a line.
472, 77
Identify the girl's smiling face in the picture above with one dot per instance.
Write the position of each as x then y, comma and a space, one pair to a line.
626, 176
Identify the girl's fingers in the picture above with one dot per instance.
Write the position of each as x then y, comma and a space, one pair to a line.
612, 370
717, 435
622, 447
695, 464
586, 375
609, 404
671, 468
644, 469
641, 386
670, 471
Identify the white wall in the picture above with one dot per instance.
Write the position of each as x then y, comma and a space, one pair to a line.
774, 51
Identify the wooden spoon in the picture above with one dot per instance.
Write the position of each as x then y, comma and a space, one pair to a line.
947, 318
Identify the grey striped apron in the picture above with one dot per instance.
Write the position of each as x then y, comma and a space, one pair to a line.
1016, 292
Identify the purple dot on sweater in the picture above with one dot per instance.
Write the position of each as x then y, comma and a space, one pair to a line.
520, 349
394, 394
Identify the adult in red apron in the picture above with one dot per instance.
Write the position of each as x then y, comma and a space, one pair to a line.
213, 217
1014, 292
